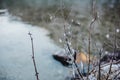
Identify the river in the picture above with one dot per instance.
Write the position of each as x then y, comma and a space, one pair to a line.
16, 56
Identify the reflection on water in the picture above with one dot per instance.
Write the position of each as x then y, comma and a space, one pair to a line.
15, 52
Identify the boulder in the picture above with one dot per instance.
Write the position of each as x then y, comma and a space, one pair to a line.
109, 56
62, 57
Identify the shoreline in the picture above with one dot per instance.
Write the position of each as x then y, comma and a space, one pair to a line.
52, 20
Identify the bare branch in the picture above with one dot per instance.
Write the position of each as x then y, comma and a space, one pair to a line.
33, 57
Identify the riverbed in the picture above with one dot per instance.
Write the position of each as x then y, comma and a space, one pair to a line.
16, 55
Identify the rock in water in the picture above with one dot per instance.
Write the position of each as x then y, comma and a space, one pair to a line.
62, 57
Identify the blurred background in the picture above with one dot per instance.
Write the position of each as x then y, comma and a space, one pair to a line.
45, 19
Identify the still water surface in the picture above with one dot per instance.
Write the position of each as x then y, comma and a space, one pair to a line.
15, 52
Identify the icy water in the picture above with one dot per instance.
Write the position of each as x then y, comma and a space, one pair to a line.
15, 52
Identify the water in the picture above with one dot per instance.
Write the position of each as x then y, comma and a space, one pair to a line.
15, 52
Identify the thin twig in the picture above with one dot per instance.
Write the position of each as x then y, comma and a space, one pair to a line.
103, 65
116, 62
113, 53
33, 57
70, 51
116, 76
71, 54
99, 74
68, 45
90, 27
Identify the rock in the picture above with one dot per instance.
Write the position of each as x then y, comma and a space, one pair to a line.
108, 57
62, 57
